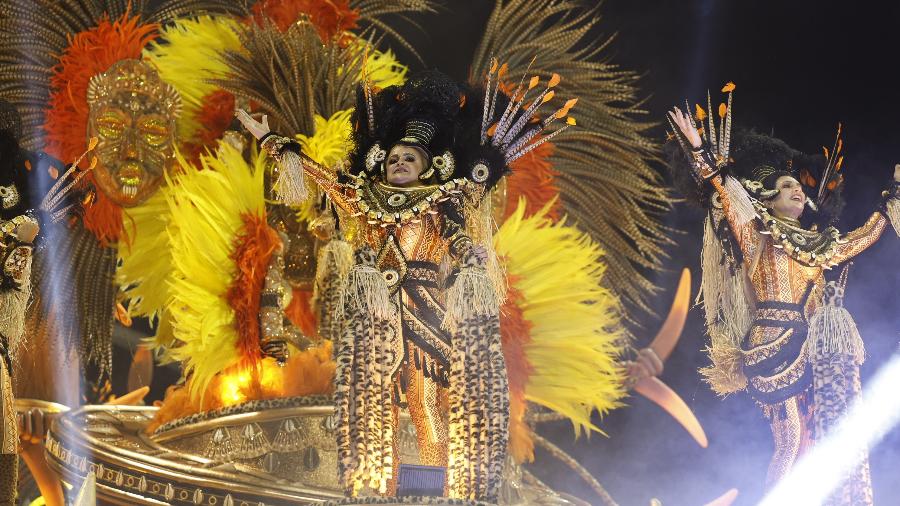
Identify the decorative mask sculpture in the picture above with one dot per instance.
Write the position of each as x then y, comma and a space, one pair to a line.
133, 113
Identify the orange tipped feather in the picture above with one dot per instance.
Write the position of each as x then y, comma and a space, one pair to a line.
534, 82
722, 110
554, 80
728, 87
807, 179
570, 121
548, 97
839, 163
699, 113
494, 64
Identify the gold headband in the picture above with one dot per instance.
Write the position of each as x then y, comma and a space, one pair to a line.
137, 77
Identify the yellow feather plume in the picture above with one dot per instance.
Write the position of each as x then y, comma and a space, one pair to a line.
331, 142
384, 69
146, 263
206, 208
576, 334
329, 145
190, 55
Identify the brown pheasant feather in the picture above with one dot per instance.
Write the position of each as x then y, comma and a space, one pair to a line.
285, 74
606, 182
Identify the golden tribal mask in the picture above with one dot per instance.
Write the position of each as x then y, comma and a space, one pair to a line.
133, 114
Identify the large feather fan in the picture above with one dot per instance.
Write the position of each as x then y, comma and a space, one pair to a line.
606, 183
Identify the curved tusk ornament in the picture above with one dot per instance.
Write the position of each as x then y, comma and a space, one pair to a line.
670, 332
662, 345
666, 398
725, 499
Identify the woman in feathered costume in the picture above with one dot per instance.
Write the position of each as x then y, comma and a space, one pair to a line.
426, 153
777, 328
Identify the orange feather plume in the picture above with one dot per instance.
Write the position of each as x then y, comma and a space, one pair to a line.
515, 332
214, 117
90, 53
251, 257
308, 372
300, 312
330, 18
534, 178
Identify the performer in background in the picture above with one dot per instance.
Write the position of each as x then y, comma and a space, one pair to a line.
777, 328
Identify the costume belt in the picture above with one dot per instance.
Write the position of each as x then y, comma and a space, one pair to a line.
778, 369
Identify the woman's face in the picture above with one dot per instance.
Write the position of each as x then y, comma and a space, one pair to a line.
789, 201
404, 164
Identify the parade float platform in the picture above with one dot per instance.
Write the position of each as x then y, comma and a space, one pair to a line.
260, 453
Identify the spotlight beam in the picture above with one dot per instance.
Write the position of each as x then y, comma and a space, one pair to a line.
819, 472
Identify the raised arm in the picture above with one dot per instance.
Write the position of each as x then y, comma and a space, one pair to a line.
856, 241
293, 164
736, 208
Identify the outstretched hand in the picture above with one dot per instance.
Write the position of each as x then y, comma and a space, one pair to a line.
257, 128
683, 122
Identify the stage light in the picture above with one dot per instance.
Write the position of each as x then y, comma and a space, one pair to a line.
818, 473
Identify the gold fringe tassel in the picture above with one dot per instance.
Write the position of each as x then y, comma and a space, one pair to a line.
367, 291
471, 296
832, 330
335, 258
739, 200
291, 183
13, 304
728, 317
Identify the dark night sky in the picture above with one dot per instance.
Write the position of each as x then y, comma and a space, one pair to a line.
800, 67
